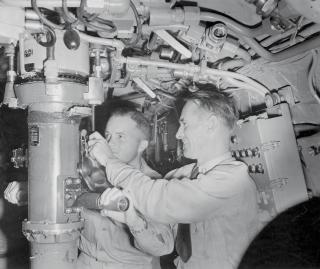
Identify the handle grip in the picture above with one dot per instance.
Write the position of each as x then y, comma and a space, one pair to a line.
119, 204
91, 200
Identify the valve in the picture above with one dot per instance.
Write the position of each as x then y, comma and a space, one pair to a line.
216, 36
19, 158
95, 95
9, 95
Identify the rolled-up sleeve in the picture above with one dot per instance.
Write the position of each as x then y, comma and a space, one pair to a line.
176, 200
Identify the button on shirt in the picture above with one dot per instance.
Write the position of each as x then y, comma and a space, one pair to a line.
221, 205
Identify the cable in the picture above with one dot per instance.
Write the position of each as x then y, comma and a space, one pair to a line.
234, 26
237, 78
85, 20
135, 39
242, 86
248, 35
46, 3
65, 11
231, 64
51, 38
295, 50
43, 18
311, 75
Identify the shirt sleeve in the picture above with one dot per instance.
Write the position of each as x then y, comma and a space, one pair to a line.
155, 239
178, 200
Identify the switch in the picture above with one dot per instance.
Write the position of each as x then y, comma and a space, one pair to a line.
259, 168
249, 153
237, 154
234, 139
252, 168
68, 196
243, 153
255, 152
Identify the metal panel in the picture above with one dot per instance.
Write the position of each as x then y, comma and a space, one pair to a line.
268, 146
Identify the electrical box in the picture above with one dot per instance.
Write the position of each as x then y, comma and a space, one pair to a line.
267, 144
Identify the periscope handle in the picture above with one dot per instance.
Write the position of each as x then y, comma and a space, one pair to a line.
119, 204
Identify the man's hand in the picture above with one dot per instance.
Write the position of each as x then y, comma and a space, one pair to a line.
16, 193
99, 148
131, 217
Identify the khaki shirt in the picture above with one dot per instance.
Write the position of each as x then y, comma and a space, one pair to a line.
221, 205
105, 243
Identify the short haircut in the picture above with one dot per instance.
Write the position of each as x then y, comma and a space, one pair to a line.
219, 103
118, 107
138, 117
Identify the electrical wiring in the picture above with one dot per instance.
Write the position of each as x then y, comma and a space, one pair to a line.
87, 20
51, 38
239, 86
182, 69
43, 18
311, 75
135, 39
237, 78
47, 3
65, 11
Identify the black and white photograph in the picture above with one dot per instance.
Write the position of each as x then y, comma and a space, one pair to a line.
159, 134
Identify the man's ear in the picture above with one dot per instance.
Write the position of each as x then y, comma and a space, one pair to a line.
143, 145
212, 122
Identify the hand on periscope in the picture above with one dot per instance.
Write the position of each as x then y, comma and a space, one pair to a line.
131, 216
99, 148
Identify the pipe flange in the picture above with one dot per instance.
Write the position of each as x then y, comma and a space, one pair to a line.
51, 232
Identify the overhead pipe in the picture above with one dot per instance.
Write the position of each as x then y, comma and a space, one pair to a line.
102, 41
112, 6
248, 34
41, 3
246, 30
194, 69
290, 52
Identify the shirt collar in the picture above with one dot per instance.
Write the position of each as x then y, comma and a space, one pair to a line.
204, 168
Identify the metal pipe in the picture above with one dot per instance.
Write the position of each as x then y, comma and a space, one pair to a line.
113, 6
102, 41
246, 30
35, 26
30, 14
248, 34
314, 64
293, 51
93, 118
21, 54
41, 3
187, 69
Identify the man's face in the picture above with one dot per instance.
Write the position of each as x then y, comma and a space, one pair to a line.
192, 130
124, 137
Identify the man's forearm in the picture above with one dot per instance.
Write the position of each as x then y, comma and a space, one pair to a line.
120, 174
168, 201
